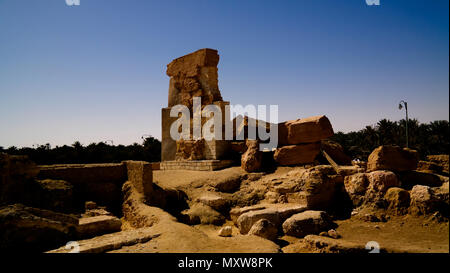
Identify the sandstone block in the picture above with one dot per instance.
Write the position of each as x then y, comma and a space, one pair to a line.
275, 213
305, 130
265, 229
56, 195
213, 200
392, 158
398, 200
140, 174
297, 154
202, 214
441, 160
307, 222
225, 231
412, 178
193, 75
30, 229
98, 225
252, 158
381, 181
168, 145
356, 186
423, 200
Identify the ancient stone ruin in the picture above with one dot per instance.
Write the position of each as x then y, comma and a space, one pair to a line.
305, 195
193, 75
196, 75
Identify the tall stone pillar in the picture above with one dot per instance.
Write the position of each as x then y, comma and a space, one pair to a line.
193, 75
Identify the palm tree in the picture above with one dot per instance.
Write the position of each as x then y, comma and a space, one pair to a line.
386, 131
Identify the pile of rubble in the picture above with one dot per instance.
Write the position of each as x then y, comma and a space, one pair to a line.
305, 200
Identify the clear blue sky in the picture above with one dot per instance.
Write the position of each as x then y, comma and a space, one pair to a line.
96, 72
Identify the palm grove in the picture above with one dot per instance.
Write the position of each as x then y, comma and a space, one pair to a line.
426, 138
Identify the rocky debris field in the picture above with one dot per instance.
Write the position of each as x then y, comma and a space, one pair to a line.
392, 203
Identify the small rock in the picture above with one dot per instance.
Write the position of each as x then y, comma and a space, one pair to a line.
90, 205
307, 222
225, 231
199, 213
333, 234
282, 199
215, 201
265, 229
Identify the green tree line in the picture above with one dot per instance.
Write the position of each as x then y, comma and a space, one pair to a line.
426, 138
149, 150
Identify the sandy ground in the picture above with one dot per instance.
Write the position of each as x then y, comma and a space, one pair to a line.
399, 234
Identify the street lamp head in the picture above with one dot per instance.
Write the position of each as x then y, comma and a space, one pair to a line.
400, 106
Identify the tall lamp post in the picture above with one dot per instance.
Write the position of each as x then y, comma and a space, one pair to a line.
400, 106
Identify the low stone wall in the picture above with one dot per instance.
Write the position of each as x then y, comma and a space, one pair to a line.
102, 183
85, 173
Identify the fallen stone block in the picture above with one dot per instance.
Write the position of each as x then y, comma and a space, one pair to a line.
331, 245
225, 231
392, 158
201, 214
356, 186
265, 229
30, 229
236, 212
411, 178
214, 201
305, 130
398, 200
55, 195
426, 200
441, 160
98, 225
110, 241
252, 158
307, 222
297, 154
275, 213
